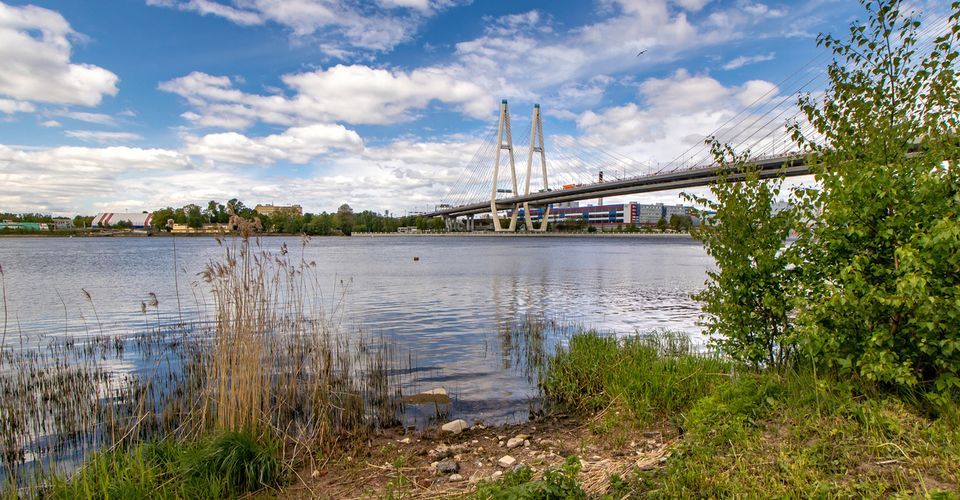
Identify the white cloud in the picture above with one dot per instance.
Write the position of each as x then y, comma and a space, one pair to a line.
103, 137
396, 176
50, 124
97, 118
677, 113
35, 46
337, 26
9, 106
296, 145
739, 62
354, 94
61, 179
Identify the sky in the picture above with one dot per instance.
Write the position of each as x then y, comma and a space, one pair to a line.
131, 105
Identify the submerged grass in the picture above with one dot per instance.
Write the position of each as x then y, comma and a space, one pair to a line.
759, 434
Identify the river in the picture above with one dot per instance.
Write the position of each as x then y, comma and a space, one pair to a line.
442, 300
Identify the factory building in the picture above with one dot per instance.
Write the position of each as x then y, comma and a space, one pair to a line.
136, 220
622, 213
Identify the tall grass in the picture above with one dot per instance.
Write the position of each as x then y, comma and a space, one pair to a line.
273, 364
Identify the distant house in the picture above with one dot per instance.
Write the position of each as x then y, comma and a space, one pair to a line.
136, 220
62, 223
269, 210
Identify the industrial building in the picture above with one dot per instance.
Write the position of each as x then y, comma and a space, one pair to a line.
621, 213
136, 220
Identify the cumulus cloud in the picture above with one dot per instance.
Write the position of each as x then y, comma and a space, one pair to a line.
9, 106
296, 145
35, 47
338, 26
355, 94
675, 114
60, 179
396, 176
739, 62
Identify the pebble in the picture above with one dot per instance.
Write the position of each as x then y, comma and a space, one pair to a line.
514, 442
315, 474
497, 474
506, 461
456, 478
455, 427
448, 467
405, 441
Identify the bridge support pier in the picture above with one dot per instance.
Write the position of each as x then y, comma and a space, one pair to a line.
504, 142
536, 146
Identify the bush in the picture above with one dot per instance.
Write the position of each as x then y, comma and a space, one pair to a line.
885, 248
748, 302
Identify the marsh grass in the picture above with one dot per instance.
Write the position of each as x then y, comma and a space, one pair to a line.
272, 364
758, 434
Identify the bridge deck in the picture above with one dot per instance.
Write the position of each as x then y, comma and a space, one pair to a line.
789, 166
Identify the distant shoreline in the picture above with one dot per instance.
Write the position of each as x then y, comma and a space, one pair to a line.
478, 234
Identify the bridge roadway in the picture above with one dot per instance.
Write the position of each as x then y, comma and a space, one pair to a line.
789, 166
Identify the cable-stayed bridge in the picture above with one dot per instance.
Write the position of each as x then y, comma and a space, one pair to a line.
499, 183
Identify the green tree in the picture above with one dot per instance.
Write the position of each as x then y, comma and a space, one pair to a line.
194, 216
747, 301
345, 219
662, 224
160, 218
884, 249
680, 222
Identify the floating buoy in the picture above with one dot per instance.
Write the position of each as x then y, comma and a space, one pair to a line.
416, 259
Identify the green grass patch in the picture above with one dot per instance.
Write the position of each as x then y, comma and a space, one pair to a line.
762, 434
557, 483
225, 466
657, 377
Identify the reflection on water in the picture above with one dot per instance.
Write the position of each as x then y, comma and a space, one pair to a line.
448, 311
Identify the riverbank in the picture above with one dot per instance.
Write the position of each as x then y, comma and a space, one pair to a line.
649, 418
644, 416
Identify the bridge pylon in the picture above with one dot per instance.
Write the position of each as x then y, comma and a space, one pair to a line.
536, 146
504, 142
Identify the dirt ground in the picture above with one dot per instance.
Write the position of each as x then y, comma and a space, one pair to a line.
404, 464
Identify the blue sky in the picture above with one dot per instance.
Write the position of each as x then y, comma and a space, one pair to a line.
109, 105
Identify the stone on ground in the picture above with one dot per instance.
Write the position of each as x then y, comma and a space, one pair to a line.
455, 427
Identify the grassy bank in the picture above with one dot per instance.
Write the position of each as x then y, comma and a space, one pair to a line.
227, 465
757, 434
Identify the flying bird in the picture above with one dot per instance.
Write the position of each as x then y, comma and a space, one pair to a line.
642, 52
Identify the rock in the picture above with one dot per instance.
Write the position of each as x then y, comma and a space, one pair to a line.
496, 474
500, 443
455, 478
405, 441
448, 467
455, 427
474, 441
480, 449
506, 461
651, 434
514, 442
434, 465
435, 396
526, 443
315, 474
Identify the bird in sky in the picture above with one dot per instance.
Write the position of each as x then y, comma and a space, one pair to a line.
642, 52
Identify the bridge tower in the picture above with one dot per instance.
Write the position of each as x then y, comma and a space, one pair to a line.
504, 142
536, 146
